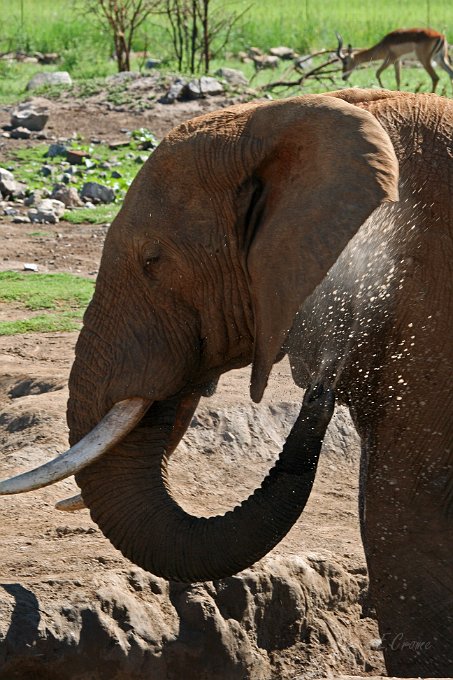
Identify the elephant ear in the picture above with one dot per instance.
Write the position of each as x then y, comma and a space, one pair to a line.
323, 166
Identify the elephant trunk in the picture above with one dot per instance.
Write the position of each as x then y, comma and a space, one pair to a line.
128, 494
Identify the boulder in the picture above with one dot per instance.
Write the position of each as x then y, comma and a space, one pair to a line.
49, 210
55, 150
97, 193
9, 188
201, 87
174, 91
76, 156
48, 79
20, 133
282, 52
135, 625
67, 195
30, 116
232, 76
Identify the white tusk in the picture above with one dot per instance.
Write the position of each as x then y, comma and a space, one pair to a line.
115, 425
71, 504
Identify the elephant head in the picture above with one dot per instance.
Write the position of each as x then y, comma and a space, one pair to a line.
225, 231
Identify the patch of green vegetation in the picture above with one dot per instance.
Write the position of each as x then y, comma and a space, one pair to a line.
114, 168
66, 295
101, 214
34, 291
39, 234
46, 323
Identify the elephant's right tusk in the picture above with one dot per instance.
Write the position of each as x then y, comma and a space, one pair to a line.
115, 425
71, 504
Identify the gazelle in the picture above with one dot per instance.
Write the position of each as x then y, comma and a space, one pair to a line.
427, 44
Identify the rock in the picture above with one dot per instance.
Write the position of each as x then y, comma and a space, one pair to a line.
46, 171
9, 210
282, 52
30, 267
36, 197
121, 143
55, 150
76, 157
47, 58
233, 76
265, 61
123, 77
135, 625
47, 79
67, 195
201, 87
49, 210
21, 219
152, 63
116, 175
304, 62
20, 133
30, 116
6, 174
174, 92
98, 193
9, 188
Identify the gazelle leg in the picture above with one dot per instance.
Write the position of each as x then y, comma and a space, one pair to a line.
425, 61
397, 66
385, 64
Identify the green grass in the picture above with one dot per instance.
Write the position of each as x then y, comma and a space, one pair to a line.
34, 291
47, 323
62, 26
64, 295
101, 214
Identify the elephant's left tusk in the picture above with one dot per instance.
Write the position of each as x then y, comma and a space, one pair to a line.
115, 425
71, 504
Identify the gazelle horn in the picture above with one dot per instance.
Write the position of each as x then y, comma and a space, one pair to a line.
114, 426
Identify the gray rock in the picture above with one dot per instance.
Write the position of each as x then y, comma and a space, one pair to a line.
55, 150
44, 79
21, 219
233, 76
282, 52
67, 195
30, 116
9, 210
304, 62
6, 174
174, 92
97, 193
46, 171
152, 63
20, 133
123, 77
201, 87
36, 197
30, 267
47, 211
9, 188
135, 625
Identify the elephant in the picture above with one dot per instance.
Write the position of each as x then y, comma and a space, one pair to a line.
320, 227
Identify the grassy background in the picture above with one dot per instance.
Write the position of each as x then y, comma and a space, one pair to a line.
64, 298
61, 25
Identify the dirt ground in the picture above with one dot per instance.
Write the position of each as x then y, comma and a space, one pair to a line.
209, 475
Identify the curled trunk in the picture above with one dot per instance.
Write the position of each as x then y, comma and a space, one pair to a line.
128, 494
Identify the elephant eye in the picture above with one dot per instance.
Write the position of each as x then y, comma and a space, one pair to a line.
150, 264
